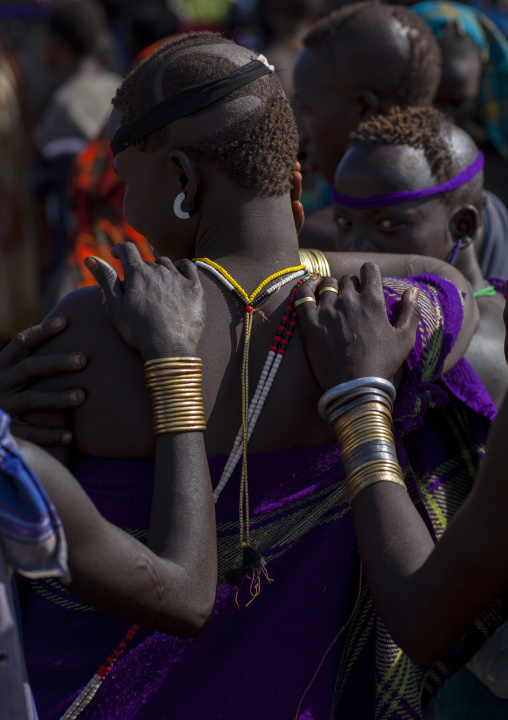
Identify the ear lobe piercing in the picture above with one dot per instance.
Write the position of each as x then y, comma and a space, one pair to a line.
177, 207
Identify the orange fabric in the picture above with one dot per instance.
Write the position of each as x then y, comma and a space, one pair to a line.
97, 196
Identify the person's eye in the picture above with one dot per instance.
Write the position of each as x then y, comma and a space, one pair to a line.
342, 222
388, 224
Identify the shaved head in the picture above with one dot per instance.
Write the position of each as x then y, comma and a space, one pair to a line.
387, 49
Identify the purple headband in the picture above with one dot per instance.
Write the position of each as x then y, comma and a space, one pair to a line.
376, 201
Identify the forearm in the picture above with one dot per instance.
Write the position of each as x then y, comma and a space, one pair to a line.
428, 596
115, 572
390, 264
182, 522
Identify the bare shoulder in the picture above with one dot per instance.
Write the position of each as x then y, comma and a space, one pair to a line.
113, 381
87, 320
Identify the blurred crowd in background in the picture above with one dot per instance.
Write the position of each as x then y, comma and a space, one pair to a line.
60, 63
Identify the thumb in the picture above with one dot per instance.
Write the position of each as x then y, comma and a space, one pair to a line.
107, 278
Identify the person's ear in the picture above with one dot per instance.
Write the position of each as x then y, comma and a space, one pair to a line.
368, 104
187, 179
466, 225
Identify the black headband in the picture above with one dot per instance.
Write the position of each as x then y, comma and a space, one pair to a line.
186, 102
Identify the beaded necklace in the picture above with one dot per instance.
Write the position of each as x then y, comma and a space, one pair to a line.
252, 560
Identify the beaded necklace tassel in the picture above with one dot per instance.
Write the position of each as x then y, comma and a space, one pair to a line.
252, 560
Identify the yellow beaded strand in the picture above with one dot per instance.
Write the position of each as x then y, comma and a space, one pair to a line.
248, 298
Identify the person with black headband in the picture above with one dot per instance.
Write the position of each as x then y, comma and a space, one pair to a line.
440, 216
214, 185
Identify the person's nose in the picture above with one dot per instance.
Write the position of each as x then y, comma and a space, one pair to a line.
360, 242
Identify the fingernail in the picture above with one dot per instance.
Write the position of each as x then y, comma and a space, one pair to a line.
77, 359
66, 437
415, 293
57, 322
91, 263
313, 276
76, 395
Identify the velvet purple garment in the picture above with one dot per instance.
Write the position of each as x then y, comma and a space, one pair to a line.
255, 662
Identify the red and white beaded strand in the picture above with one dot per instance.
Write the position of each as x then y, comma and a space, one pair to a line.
87, 694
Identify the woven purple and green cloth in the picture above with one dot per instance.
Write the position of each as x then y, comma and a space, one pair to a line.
282, 656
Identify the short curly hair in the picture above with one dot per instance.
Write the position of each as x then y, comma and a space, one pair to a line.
419, 84
422, 129
257, 150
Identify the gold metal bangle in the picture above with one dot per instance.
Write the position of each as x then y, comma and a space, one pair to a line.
372, 480
172, 372
179, 402
161, 361
315, 261
179, 427
371, 467
170, 416
174, 383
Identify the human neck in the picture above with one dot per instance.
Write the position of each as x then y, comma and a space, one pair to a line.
467, 264
251, 239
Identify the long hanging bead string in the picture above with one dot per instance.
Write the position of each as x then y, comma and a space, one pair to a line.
251, 558
276, 353
271, 364
87, 694
244, 482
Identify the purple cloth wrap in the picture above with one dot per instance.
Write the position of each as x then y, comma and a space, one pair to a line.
377, 201
256, 662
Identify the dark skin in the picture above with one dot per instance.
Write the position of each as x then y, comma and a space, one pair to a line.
457, 96
337, 94
169, 585
428, 227
235, 227
460, 82
427, 595
358, 79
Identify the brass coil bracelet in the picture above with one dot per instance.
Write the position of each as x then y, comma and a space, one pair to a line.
359, 413
175, 388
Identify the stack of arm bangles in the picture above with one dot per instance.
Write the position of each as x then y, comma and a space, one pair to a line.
175, 388
360, 415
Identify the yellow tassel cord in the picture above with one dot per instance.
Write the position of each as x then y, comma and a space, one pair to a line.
244, 483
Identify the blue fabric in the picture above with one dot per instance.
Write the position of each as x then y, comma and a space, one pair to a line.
30, 529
